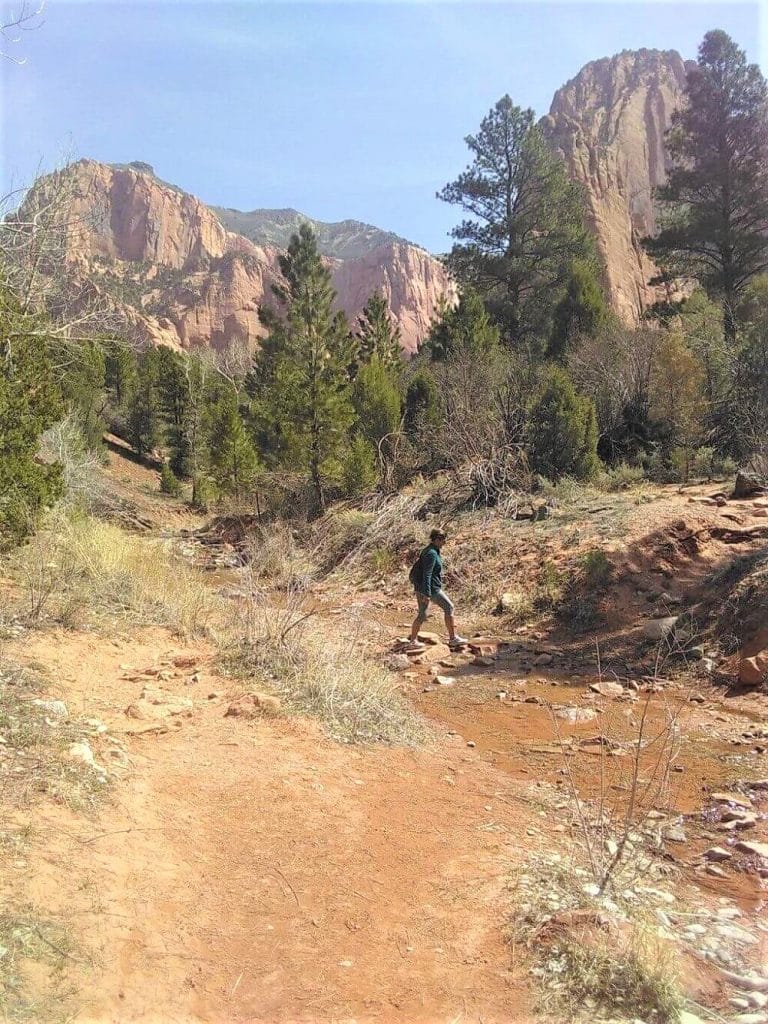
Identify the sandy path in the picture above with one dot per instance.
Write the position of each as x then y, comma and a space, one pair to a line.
270, 875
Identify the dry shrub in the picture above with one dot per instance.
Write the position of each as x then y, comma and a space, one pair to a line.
332, 680
274, 555
34, 755
82, 563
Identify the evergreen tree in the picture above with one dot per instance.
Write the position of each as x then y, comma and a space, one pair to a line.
83, 384
144, 424
422, 404
582, 310
300, 381
377, 333
30, 402
376, 399
714, 206
466, 328
233, 459
563, 430
120, 380
525, 225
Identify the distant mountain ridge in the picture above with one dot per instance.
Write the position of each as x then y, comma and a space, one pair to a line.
342, 240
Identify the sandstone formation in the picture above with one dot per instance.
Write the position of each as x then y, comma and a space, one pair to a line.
609, 123
165, 264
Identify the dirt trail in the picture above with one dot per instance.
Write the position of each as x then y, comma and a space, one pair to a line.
257, 872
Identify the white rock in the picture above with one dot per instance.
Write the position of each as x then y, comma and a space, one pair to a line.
54, 708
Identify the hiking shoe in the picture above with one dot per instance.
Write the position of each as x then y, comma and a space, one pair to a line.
458, 641
415, 647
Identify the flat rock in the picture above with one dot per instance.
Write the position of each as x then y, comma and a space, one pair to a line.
659, 629
430, 638
607, 689
445, 680
754, 849
483, 661
544, 659
675, 834
737, 799
717, 853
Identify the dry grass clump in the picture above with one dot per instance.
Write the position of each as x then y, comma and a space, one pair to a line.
79, 567
274, 555
636, 979
34, 757
34, 947
353, 697
594, 957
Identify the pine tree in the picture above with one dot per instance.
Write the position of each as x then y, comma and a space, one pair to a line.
714, 206
300, 382
526, 222
464, 329
144, 423
377, 333
563, 430
83, 384
30, 402
582, 310
233, 459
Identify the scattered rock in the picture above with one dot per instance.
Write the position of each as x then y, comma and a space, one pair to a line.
675, 834
471, 743
544, 659
731, 798
717, 853
607, 689
751, 1018
713, 869
430, 638
397, 662
754, 671
55, 708
576, 715
507, 603
483, 662
746, 982
82, 752
254, 705
445, 680
755, 850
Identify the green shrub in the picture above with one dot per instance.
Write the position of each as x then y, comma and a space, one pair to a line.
359, 473
620, 477
169, 482
563, 431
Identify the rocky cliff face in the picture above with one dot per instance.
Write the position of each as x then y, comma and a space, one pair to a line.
609, 123
164, 260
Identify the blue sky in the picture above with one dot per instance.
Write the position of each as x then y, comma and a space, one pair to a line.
337, 109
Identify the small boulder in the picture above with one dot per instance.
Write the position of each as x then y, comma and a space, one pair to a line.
754, 671
482, 661
445, 680
747, 484
607, 689
544, 659
576, 715
737, 799
717, 853
254, 705
675, 834
753, 849
660, 629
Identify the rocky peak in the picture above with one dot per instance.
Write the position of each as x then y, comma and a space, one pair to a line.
609, 123
181, 278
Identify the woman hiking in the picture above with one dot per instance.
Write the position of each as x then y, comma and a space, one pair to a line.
427, 579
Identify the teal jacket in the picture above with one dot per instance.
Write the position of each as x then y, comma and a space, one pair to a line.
431, 571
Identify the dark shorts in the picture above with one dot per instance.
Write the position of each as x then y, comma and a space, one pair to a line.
440, 598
